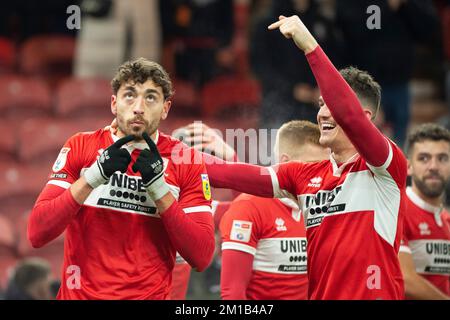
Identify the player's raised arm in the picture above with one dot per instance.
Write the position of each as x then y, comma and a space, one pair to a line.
339, 97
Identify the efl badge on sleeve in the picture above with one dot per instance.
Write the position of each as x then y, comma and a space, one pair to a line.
206, 187
241, 230
61, 160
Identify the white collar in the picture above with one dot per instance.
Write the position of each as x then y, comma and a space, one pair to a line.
136, 145
337, 171
418, 201
296, 214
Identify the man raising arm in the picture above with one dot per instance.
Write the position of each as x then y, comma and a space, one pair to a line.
352, 203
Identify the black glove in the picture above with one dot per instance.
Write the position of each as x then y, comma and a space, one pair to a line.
113, 159
151, 166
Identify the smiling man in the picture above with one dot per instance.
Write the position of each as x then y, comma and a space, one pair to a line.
126, 206
353, 203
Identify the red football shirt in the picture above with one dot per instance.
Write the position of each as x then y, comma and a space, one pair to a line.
353, 214
426, 236
273, 231
117, 246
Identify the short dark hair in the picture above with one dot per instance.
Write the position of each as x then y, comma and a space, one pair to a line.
139, 71
427, 131
365, 87
29, 271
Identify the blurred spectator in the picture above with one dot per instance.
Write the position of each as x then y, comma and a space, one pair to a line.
197, 35
113, 31
31, 281
289, 88
22, 19
388, 53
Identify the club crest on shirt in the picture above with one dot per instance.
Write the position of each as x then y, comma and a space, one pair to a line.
206, 186
61, 160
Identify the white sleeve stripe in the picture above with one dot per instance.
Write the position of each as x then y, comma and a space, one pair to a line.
198, 209
275, 183
239, 247
405, 249
277, 192
62, 184
388, 160
214, 205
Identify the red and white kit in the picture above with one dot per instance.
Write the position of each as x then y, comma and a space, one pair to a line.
353, 211
117, 245
352, 219
273, 231
426, 236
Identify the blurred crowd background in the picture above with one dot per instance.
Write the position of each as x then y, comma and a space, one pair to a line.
228, 71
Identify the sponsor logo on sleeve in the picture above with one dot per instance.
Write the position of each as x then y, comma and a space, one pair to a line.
61, 160
241, 231
206, 186
58, 176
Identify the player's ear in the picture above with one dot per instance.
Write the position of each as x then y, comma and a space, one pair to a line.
166, 107
368, 113
410, 169
284, 158
114, 104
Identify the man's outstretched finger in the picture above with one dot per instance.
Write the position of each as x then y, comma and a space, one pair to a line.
150, 142
277, 24
119, 143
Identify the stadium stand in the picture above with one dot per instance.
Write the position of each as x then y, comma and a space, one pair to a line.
20, 185
22, 97
185, 100
8, 257
53, 252
51, 135
47, 53
220, 94
7, 55
87, 97
8, 141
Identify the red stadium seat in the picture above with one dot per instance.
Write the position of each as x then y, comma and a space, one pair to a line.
221, 94
48, 135
7, 55
174, 122
185, 99
53, 251
8, 257
8, 141
84, 98
45, 54
22, 98
19, 187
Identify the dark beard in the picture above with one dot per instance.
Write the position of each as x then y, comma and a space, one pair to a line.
149, 128
427, 191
